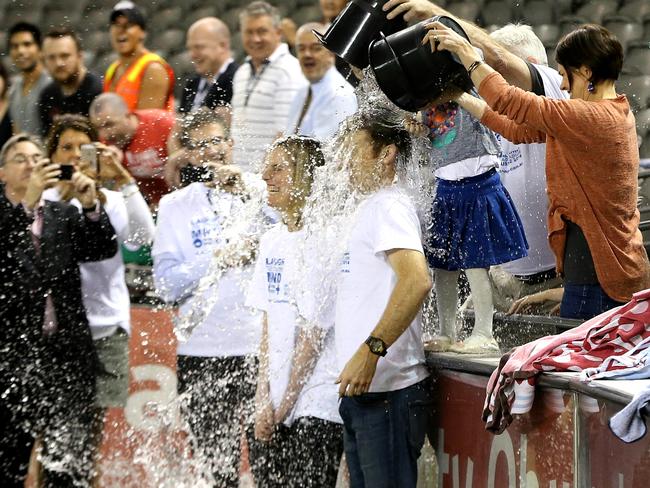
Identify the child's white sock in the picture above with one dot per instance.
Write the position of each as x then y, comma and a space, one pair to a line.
479, 284
446, 283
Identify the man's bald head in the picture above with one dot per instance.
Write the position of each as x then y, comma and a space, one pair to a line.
208, 43
112, 119
315, 59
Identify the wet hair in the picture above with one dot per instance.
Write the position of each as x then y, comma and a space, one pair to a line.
4, 74
384, 132
258, 9
200, 118
306, 154
77, 123
60, 32
17, 139
592, 46
25, 27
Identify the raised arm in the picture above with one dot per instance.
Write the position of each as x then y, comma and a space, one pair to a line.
514, 69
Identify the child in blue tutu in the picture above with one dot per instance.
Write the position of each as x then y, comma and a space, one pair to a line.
473, 223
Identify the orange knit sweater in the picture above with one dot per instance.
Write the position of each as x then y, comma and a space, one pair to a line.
592, 163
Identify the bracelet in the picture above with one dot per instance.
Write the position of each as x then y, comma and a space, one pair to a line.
473, 66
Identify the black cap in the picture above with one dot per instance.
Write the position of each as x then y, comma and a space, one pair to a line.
130, 11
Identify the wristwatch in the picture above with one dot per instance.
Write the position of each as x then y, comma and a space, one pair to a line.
377, 346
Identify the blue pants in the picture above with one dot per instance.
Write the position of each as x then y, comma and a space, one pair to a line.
585, 301
384, 433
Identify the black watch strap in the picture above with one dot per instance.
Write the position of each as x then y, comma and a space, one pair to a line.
377, 346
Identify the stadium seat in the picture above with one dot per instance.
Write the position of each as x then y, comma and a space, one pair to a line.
637, 60
644, 150
231, 18
497, 12
237, 47
547, 33
624, 30
637, 89
102, 62
172, 40
61, 18
635, 10
538, 12
465, 10
165, 19
200, 13
595, 10
96, 42
23, 15
643, 122
97, 20
307, 14
569, 23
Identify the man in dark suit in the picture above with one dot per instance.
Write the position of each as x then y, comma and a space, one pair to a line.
208, 42
47, 358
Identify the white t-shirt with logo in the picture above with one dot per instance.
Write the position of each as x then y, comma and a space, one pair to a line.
188, 232
385, 221
523, 173
274, 289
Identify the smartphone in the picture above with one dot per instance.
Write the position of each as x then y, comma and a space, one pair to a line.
192, 174
89, 156
66, 171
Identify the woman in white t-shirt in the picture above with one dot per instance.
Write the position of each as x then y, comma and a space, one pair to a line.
298, 437
105, 294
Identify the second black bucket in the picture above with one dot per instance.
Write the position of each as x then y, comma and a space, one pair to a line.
354, 29
408, 72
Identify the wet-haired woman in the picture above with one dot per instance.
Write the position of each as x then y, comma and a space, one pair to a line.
592, 162
298, 431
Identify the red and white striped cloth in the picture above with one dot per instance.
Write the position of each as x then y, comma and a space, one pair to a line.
511, 388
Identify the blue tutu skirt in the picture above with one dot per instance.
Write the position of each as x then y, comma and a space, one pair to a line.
474, 225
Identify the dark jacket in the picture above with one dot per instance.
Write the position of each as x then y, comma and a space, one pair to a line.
220, 93
58, 370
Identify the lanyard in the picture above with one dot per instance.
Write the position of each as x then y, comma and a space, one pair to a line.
255, 78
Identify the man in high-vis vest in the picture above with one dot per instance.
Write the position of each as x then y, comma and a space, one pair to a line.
142, 78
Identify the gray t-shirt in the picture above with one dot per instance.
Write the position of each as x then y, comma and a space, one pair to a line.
459, 137
24, 108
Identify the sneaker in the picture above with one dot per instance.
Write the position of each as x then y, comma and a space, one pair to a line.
478, 344
439, 343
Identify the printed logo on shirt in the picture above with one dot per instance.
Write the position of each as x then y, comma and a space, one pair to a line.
345, 263
511, 160
278, 291
206, 233
145, 164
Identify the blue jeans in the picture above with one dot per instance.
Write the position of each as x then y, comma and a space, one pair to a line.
585, 302
383, 435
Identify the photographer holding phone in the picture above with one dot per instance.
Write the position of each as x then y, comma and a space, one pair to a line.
217, 365
48, 362
73, 140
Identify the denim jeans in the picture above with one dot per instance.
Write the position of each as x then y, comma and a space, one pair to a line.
585, 302
384, 433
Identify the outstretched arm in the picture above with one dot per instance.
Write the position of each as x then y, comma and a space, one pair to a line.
512, 68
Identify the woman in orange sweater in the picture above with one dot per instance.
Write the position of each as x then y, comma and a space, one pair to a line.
592, 162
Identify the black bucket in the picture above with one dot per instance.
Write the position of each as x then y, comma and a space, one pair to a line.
354, 29
408, 72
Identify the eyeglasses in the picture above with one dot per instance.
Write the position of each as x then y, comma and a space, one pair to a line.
214, 141
22, 159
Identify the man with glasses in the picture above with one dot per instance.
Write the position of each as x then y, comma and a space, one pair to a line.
47, 357
145, 136
217, 364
